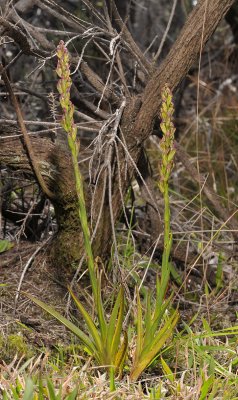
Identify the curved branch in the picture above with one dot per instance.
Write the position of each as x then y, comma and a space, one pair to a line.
27, 140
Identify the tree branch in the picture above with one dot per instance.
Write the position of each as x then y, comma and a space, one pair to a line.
30, 151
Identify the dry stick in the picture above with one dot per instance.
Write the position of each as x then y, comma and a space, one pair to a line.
126, 35
60, 14
166, 32
97, 83
118, 58
21, 39
93, 10
27, 141
100, 113
211, 195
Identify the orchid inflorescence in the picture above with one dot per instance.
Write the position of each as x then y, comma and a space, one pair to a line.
63, 86
167, 142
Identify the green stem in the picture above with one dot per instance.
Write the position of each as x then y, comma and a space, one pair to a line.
83, 216
165, 273
166, 220
112, 379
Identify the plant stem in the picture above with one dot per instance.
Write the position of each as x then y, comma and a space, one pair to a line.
83, 218
165, 273
112, 379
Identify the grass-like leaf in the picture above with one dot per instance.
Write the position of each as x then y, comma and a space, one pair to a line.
90, 324
114, 328
29, 390
150, 349
68, 324
103, 342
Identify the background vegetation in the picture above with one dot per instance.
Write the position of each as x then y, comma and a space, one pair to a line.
118, 241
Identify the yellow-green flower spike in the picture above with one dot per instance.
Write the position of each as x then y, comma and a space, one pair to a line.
167, 142
63, 86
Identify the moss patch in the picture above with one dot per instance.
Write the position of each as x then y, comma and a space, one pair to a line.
15, 344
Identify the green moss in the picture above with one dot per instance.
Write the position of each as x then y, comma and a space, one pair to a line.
67, 251
15, 344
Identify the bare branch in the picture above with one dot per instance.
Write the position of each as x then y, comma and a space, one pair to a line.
27, 141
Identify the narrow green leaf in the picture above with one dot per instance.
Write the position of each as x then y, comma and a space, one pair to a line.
148, 320
91, 326
25, 365
113, 319
162, 334
51, 390
139, 331
29, 390
112, 379
206, 326
41, 389
118, 327
151, 351
167, 371
211, 367
15, 393
73, 328
121, 354
206, 388
175, 274
223, 332
160, 304
72, 395
101, 314
159, 314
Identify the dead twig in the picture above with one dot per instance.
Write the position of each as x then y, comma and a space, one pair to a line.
27, 141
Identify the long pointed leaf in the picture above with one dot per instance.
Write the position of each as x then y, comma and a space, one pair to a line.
72, 395
167, 371
151, 352
29, 390
51, 390
158, 315
113, 318
148, 320
161, 285
118, 327
170, 323
101, 314
139, 332
121, 354
73, 328
91, 326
